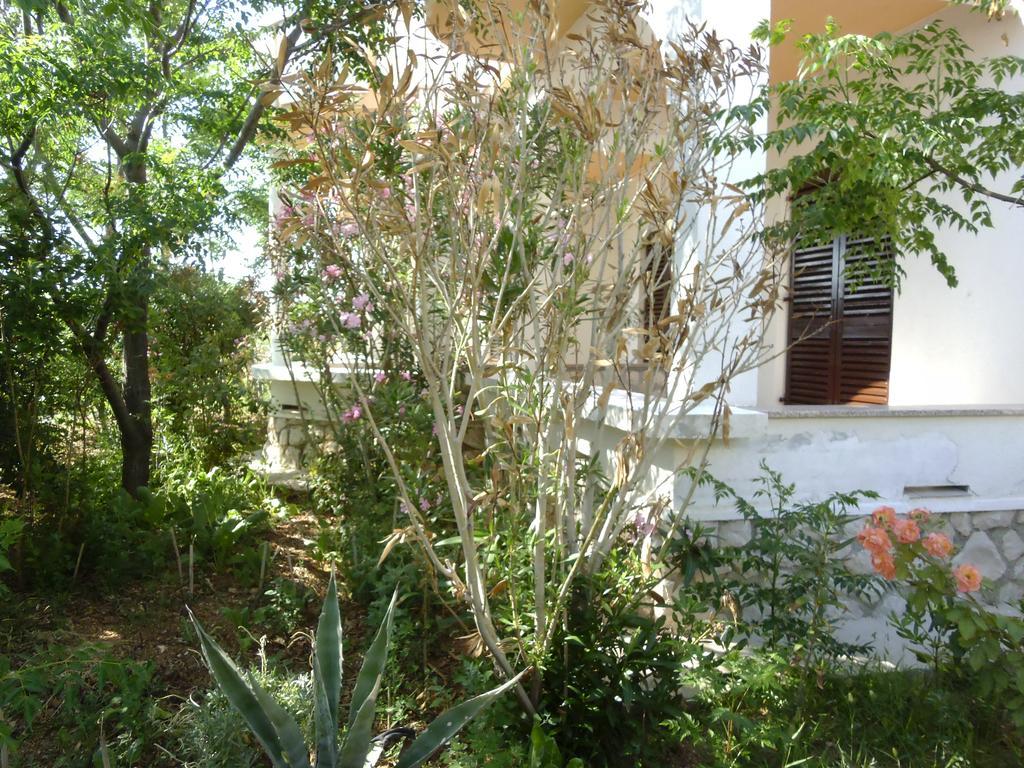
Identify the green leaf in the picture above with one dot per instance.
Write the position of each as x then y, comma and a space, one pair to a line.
326, 726
328, 648
364, 696
449, 723
241, 696
288, 731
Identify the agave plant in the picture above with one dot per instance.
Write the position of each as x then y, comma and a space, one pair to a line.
279, 734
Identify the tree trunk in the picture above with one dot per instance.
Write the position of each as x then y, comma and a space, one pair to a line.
137, 441
137, 433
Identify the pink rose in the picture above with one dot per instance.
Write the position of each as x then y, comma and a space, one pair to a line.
875, 540
938, 545
968, 578
883, 563
907, 531
884, 516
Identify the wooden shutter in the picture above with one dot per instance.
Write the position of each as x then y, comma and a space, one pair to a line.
657, 286
840, 326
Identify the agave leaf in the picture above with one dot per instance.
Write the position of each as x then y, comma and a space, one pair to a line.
328, 648
449, 723
373, 757
326, 726
364, 696
292, 743
241, 696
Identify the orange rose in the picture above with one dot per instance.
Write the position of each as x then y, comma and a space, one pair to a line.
874, 540
884, 516
906, 531
883, 563
968, 578
920, 514
938, 545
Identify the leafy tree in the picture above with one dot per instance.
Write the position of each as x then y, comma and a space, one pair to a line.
122, 125
891, 136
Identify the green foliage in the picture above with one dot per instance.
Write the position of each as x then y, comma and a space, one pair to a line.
788, 579
210, 732
279, 734
10, 532
74, 695
203, 345
891, 135
754, 709
614, 681
544, 752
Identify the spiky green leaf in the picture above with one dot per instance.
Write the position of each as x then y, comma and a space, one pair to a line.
449, 723
288, 733
364, 696
241, 696
328, 648
325, 724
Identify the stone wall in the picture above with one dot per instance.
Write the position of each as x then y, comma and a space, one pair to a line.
292, 443
991, 540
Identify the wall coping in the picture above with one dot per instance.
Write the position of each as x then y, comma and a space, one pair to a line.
888, 411
938, 505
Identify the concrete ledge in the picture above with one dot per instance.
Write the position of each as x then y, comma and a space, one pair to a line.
299, 371
663, 418
886, 411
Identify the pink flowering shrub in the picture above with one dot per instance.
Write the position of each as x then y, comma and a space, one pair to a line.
898, 550
951, 628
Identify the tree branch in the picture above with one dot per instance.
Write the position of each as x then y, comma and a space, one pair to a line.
974, 186
258, 108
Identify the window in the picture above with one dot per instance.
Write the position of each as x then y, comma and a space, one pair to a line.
657, 286
840, 325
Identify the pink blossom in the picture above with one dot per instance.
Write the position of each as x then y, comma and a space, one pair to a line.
884, 564
406, 376
361, 301
380, 377
875, 540
352, 414
401, 410
384, 193
280, 274
938, 545
907, 531
968, 578
884, 516
331, 272
349, 229
568, 258
920, 514
644, 524
424, 504
352, 320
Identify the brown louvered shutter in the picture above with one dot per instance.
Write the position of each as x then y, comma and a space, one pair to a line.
840, 325
657, 286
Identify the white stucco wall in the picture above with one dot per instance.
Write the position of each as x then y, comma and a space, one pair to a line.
960, 345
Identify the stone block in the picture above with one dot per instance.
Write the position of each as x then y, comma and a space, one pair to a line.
291, 458
734, 533
1012, 546
1010, 593
986, 521
982, 552
294, 436
962, 523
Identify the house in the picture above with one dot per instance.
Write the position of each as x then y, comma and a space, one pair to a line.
917, 395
